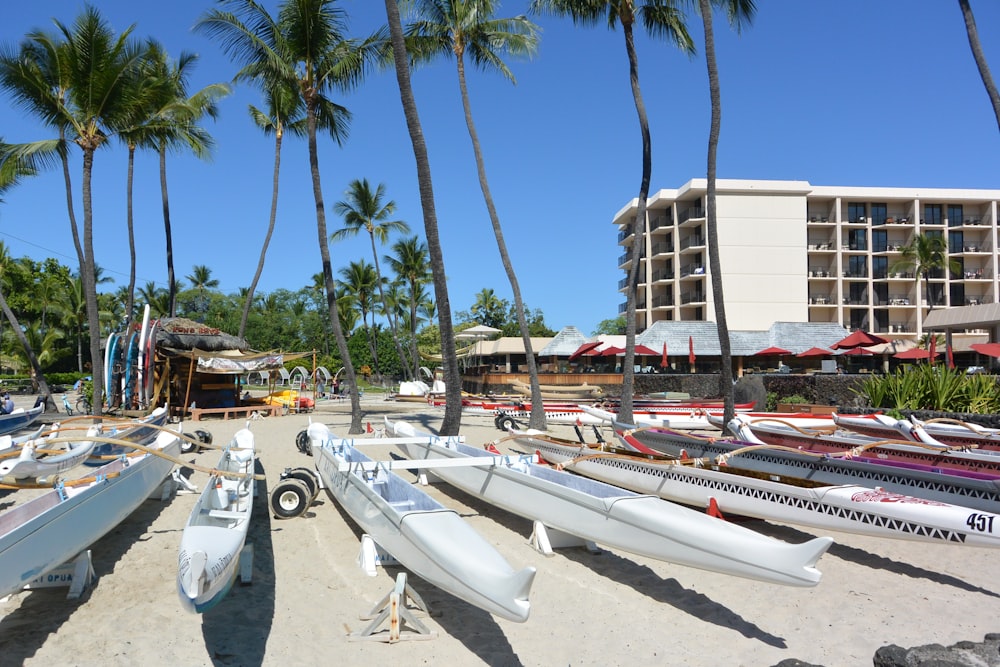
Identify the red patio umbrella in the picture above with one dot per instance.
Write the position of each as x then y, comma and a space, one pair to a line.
612, 351
772, 351
815, 352
584, 349
644, 351
858, 338
858, 351
691, 350
914, 353
989, 349
663, 360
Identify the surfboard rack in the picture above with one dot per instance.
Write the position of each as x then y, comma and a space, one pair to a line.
395, 611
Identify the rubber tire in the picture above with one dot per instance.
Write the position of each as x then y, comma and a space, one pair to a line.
290, 499
303, 443
496, 421
187, 447
306, 475
504, 422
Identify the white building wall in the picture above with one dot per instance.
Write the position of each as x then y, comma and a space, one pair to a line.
762, 249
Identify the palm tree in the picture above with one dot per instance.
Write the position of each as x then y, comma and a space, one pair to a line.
409, 263
738, 12
457, 27
283, 113
980, 57
77, 81
176, 127
924, 255
158, 299
306, 49
661, 19
367, 210
453, 381
360, 281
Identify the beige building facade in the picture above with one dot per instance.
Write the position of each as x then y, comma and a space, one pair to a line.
796, 252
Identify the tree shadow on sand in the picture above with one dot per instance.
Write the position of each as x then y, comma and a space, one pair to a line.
669, 591
246, 606
868, 559
25, 630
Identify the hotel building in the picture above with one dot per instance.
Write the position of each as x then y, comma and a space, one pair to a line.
796, 252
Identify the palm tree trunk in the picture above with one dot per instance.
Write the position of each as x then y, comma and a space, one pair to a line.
414, 352
43, 386
980, 57
324, 251
537, 418
453, 382
388, 311
87, 277
130, 298
270, 230
715, 265
171, 283
638, 227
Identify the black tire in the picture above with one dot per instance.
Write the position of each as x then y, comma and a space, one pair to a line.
309, 477
303, 443
496, 420
187, 446
504, 422
290, 498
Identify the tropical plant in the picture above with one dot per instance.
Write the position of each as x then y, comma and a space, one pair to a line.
284, 113
365, 209
409, 263
980, 57
738, 11
924, 255
305, 49
76, 80
176, 127
453, 385
361, 282
661, 19
456, 28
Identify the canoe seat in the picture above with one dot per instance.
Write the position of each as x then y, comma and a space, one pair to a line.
225, 514
402, 504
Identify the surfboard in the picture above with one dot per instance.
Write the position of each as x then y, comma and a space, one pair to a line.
141, 374
107, 363
130, 377
149, 378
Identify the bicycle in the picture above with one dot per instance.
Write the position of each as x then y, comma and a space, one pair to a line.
83, 405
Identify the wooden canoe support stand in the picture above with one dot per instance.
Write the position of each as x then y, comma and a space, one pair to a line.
545, 539
395, 610
77, 573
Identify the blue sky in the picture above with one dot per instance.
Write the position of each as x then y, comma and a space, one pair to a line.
850, 93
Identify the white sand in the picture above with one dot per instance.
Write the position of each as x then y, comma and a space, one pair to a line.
608, 609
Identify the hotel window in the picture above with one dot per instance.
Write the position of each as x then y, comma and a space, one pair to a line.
859, 294
879, 214
956, 267
881, 294
956, 242
859, 318
957, 294
881, 320
857, 266
855, 212
934, 234
932, 214
880, 240
955, 218
880, 267
857, 239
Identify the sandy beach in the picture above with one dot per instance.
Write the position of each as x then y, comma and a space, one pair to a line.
611, 608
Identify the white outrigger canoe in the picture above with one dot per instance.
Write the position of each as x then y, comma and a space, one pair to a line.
848, 507
28, 465
216, 530
20, 418
617, 518
49, 530
430, 540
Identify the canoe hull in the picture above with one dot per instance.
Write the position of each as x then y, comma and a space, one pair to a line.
616, 518
216, 531
49, 530
431, 541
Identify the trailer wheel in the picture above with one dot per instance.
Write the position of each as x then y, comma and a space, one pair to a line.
303, 443
307, 476
505, 422
290, 498
496, 420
